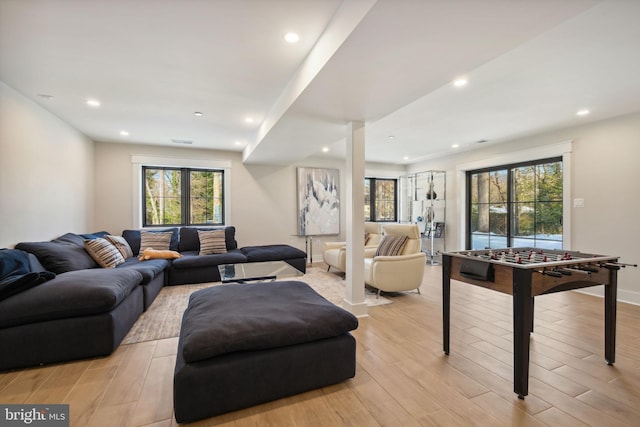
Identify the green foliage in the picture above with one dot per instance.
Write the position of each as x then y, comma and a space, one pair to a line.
164, 196
536, 200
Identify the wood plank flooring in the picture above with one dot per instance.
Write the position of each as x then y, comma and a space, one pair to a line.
402, 379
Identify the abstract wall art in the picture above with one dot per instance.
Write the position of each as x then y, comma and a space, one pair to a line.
318, 201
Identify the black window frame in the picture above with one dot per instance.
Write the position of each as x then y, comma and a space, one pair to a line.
510, 202
372, 199
185, 195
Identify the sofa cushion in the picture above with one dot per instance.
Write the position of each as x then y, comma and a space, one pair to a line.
231, 318
73, 238
158, 240
190, 241
133, 238
121, 244
149, 269
94, 235
59, 256
272, 253
103, 252
212, 242
76, 293
195, 260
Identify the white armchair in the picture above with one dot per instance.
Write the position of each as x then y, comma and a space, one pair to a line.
334, 254
402, 272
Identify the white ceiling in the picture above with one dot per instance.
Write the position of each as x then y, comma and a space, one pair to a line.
531, 64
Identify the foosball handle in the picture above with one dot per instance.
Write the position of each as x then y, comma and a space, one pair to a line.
552, 273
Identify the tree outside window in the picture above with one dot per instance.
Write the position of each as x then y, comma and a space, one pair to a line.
380, 199
183, 196
516, 205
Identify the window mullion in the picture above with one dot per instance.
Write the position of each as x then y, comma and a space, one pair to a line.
186, 197
510, 206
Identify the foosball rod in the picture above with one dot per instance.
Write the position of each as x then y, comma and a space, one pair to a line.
622, 264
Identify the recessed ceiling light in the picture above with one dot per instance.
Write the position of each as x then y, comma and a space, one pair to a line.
582, 112
124, 133
291, 37
391, 137
455, 146
93, 103
325, 149
238, 143
405, 158
248, 120
460, 82
197, 113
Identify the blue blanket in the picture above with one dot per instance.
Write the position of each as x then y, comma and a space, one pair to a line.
16, 275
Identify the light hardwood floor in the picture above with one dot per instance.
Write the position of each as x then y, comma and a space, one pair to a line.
402, 379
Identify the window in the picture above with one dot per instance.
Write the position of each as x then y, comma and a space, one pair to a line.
182, 196
380, 199
516, 205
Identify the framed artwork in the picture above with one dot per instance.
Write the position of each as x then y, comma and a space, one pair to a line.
318, 201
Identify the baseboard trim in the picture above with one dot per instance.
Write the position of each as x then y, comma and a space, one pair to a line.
358, 310
629, 297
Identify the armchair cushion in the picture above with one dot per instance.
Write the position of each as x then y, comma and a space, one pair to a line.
391, 246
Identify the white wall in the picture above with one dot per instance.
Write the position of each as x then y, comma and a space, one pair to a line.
53, 180
604, 172
46, 173
262, 201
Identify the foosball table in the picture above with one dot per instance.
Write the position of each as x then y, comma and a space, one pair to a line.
526, 273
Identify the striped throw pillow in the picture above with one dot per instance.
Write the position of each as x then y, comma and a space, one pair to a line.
103, 252
212, 242
121, 244
391, 246
157, 240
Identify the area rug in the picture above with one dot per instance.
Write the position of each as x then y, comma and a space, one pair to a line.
163, 318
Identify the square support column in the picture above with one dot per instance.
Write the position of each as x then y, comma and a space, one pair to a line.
354, 298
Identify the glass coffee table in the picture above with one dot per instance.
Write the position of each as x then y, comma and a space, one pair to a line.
266, 271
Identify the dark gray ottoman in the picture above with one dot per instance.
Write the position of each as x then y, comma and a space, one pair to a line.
286, 253
241, 345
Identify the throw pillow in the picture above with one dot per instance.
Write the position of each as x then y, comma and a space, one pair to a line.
59, 257
212, 242
391, 246
103, 252
121, 244
155, 240
158, 254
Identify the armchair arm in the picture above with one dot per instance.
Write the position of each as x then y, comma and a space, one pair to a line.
397, 273
370, 251
334, 245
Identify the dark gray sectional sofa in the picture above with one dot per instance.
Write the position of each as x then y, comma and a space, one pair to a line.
86, 311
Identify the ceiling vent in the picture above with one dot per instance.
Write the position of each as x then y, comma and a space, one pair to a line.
182, 141
482, 141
